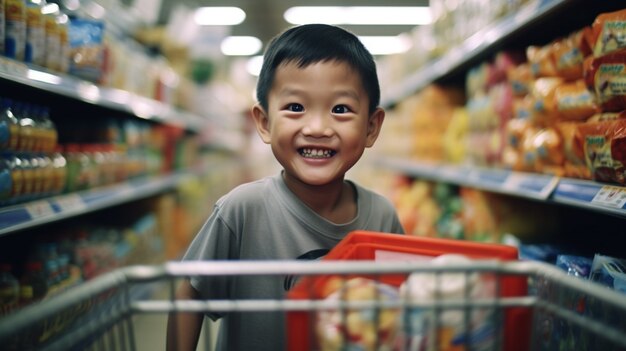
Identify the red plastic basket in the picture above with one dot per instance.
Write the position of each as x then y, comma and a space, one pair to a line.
365, 245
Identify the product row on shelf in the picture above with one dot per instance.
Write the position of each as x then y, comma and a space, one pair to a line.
84, 41
86, 234
542, 121
40, 160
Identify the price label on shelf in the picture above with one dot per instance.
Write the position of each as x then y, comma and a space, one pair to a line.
38, 209
612, 196
70, 202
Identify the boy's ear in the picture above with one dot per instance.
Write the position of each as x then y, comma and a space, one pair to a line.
262, 123
373, 127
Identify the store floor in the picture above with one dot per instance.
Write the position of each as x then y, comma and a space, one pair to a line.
150, 331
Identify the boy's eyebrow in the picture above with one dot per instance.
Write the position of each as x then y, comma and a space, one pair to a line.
297, 91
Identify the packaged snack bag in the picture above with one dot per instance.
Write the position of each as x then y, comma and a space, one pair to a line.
607, 116
548, 147
540, 60
543, 108
569, 53
574, 101
606, 77
604, 146
572, 143
609, 32
520, 78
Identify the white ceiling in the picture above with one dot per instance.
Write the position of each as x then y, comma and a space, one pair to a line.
264, 18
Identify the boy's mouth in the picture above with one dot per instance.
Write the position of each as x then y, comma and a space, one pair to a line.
316, 153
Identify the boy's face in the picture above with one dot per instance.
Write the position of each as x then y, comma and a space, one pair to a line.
317, 123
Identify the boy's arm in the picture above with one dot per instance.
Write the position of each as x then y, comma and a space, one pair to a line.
183, 329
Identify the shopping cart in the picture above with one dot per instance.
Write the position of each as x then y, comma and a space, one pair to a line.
564, 312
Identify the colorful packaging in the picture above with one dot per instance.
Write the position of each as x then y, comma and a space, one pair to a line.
543, 107
540, 60
609, 271
15, 31
609, 32
86, 39
604, 145
577, 266
569, 54
360, 329
520, 78
606, 77
574, 101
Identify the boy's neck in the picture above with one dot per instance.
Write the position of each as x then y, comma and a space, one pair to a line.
335, 202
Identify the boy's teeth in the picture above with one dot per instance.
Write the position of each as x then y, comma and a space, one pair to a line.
316, 153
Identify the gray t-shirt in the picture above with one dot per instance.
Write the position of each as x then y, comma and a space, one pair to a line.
264, 220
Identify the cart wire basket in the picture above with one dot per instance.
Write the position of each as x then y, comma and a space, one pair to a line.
557, 311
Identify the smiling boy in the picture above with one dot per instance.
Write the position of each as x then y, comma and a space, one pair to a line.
318, 97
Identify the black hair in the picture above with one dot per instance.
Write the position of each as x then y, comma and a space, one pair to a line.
313, 43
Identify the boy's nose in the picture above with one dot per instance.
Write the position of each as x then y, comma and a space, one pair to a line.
318, 125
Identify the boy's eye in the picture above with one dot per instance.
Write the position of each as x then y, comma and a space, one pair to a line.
295, 107
341, 109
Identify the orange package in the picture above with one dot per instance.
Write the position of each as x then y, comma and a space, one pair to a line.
574, 101
540, 60
572, 144
569, 53
543, 109
605, 76
608, 32
604, 145
520, 78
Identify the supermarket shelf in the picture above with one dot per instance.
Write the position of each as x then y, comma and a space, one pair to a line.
88, 92
605, 198
480, 43
57, 208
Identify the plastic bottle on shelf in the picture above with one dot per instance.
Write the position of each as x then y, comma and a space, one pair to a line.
5, 180
15, 29
35, 33
53, 39
59, 171
14, 164
9, 121
48, 177
28, 177
27, 127
50, 133
78, 168
63, 23
9, 289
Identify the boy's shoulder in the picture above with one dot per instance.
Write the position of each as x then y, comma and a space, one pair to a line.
249, 193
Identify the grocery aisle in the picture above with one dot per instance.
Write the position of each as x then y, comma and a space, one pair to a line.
505, 129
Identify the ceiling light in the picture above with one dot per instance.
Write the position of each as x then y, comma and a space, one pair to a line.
241, 46
381, 45
219, 16
359, 15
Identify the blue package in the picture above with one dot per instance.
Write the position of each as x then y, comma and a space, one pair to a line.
86, 40
577, 266
609, 271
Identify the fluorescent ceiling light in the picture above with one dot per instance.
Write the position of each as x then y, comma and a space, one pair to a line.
219, 16
241, 46
359, 15
381, 45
